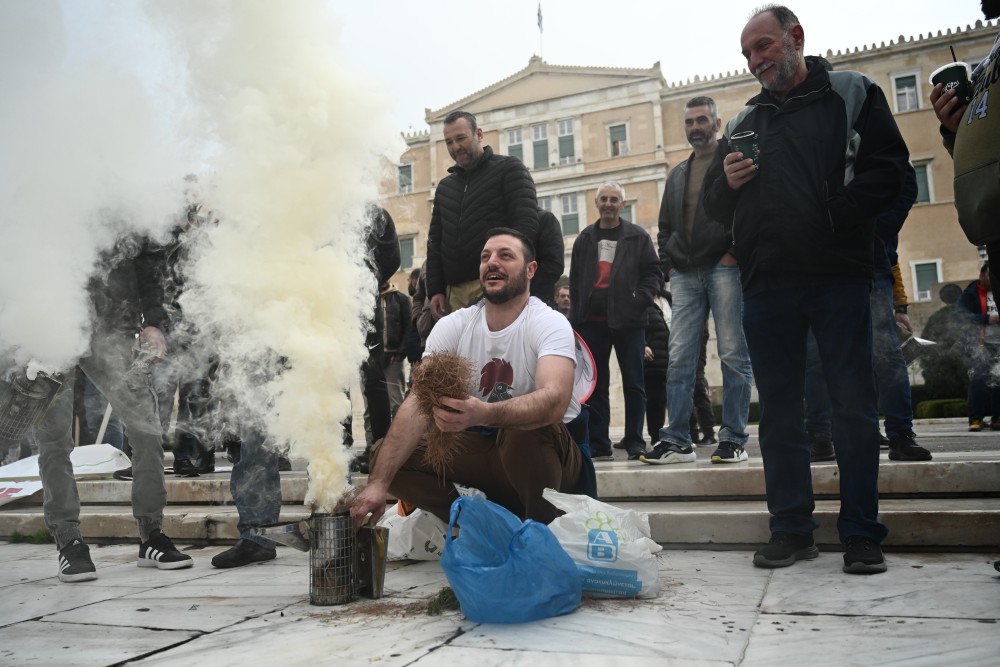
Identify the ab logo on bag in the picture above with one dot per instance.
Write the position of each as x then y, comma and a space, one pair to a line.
602, 540
602, 545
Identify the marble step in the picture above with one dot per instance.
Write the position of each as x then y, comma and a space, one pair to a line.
945, 476
942, 523
955, 474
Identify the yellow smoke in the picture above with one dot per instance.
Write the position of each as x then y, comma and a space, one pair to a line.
293, 143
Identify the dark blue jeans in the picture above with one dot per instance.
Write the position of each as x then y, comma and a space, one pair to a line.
629, 343
891, 376
819, 413
777, 323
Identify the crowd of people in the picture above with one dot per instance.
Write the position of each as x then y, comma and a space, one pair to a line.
787, 240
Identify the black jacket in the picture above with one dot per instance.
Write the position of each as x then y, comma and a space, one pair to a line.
831, 161
499, 192
635, 276
394, 311
888, 225
550, 253
383, 244
383, 260
658, 340
127, 288
420, 307
972, 304
709, 238
971, 309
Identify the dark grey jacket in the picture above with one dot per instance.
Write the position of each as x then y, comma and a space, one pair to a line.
635, 277
709, 238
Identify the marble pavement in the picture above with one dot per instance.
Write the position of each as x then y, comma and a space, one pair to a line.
714, 608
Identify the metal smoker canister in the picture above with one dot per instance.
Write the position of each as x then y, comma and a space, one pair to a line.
331, 559
23, 401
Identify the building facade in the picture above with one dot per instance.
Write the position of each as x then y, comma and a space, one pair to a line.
576, 127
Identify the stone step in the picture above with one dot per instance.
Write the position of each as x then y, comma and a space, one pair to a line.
926, 523
941, 523
950, 502
949, 474
958, 473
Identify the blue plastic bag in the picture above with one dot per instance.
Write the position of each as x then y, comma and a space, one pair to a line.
506, 571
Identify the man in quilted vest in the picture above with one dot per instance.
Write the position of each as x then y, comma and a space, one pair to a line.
483, 190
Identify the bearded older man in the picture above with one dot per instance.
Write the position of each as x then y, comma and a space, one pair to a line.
831, 159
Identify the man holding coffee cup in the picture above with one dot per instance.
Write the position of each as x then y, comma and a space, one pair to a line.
972, 135
802, 218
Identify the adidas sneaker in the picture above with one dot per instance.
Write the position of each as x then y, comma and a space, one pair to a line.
159, 552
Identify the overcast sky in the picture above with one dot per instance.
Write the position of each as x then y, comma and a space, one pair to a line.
429, 54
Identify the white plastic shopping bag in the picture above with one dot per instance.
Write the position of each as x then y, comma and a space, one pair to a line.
612, 547
417, 536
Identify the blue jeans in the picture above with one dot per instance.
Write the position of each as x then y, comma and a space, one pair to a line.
777, 323
95, 405
256, 485
629, 343
695, 291
891, 377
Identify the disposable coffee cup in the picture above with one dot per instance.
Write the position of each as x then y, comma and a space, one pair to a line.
746, 143
955, 76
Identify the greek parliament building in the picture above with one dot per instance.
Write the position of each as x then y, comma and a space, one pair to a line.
578, 126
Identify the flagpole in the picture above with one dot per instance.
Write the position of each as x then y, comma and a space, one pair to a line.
540, 51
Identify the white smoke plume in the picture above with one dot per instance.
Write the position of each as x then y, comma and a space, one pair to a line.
108, 105
84, 160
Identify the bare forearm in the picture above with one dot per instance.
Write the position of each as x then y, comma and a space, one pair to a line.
400, 442
531, 411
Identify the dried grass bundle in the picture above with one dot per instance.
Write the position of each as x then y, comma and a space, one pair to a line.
440, 374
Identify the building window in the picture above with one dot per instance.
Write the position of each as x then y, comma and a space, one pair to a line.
628, 211
406, 244
545, 203
906, 92
925, 274
567, 151
515, 144
405, 179
923, 183
570, 215
540, 145
618, 135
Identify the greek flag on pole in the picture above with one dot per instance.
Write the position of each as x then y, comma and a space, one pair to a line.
540, 17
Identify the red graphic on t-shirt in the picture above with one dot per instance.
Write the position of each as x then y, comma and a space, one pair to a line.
496, 379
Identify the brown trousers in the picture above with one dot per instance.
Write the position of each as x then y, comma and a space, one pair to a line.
464, 294
511, 467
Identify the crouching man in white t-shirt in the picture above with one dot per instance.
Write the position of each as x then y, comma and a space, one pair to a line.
514, 441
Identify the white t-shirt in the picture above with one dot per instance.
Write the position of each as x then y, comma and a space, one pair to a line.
991, 334
506, 359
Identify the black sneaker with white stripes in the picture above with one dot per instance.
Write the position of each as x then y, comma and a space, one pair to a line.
159, 552
75, 563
